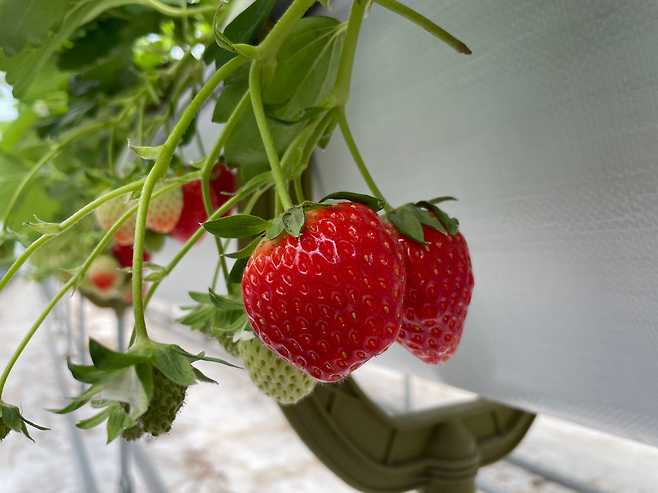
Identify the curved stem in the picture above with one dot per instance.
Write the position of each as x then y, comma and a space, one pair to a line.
211, 159
426, 24
66, 225
56, 150
172, 12
195, 237
78, 275
349, 140
158, 171
271, 44
268, 142
344, 77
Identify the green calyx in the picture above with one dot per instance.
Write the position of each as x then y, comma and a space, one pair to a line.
273, 376
128, 386
12, 420
409, 219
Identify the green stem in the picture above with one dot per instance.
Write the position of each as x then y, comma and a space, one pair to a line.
344, 77
295, 152
208, 165
426, 24
195, 237
158, 171
351, 145
66, 225
56, 150
80, 274
271, 44
172, 12
268, 142
299, 189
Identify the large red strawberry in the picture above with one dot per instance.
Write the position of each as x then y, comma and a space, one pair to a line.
194, 211
439, 287
104, 273
165, 210
331, 299
124, 254
222, 180
108, 214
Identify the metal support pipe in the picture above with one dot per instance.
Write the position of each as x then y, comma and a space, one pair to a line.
551, 475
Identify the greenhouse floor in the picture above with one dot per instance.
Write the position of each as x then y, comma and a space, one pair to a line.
228, 438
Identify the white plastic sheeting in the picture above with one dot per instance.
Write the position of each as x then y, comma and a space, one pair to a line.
548, 135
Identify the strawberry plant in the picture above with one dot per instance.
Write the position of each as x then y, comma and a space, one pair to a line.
313, 294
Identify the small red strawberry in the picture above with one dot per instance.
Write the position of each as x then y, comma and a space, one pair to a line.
331, 299
104, 272
439, 287
222, 180
165, 210
194, 211
124, 254
108, 214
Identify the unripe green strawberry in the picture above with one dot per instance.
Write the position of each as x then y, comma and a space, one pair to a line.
104, 273
226, 340
274, 377
134, 433
153, 242
164, 211
167, 399
108, 214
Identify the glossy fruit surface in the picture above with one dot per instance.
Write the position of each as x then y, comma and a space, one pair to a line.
110, 212
104, 272
438, 293
222, 181
331, 299
124, 254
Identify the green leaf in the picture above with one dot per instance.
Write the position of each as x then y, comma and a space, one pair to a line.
146, 152
425, 218
199, 297
80, 400
307, 65
12, 417
228, 100
451, 224
224, 302
91, 374
46, 229
129, 389
236, 226
202, 357
201, 377
235, 276
293, 221
276, 229
106, 359
408, 224
95, 420
246, 251
243, 29
29, 22
145, 376
24, 67
373, 202
118, 422
174, 365
438, 200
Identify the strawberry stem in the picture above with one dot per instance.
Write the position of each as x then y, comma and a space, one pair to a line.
351, 145
211, 159
268, 142
425, 23
158, 171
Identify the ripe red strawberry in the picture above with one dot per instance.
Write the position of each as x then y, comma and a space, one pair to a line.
165, 210
194, 211
222, 180
331, 299
124, 254
108, 214
439, 287
104, 272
